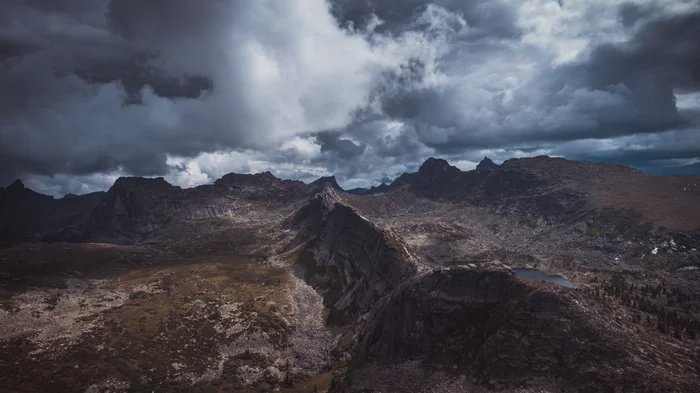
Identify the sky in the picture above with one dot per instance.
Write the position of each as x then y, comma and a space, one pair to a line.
91, 90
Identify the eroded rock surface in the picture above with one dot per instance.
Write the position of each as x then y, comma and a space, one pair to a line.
352, 261
501, 332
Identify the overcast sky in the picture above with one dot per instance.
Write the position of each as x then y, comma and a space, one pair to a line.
364, 89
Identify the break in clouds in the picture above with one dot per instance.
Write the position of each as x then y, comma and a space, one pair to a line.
363, 89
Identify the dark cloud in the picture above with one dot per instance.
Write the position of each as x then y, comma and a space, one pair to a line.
483, 17
620, 89
336, 144
364, 89
96, 86
664, 52
631, 13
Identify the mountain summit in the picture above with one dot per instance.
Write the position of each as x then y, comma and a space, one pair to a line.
436, 166
327, 180
486, 165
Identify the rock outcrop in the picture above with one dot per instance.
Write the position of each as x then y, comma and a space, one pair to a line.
138, 207
486, 165
26, 215
499, 330
553, 190
322, 181
352, 261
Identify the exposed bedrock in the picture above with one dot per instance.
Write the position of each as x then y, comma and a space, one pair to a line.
495, 327
351, 260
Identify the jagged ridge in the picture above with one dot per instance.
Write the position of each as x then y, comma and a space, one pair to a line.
353, 261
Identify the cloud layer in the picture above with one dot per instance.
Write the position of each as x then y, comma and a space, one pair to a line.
364, 89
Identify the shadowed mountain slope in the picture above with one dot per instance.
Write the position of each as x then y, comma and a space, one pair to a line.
507, 333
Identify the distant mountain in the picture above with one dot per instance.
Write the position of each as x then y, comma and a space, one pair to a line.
135, 208
326, 180
26, 215
550, 188
486, 165
369, 191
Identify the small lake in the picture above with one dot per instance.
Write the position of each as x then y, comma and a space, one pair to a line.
536, 275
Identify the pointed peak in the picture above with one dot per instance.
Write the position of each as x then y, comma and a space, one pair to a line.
17, 184
486, 165
266, 175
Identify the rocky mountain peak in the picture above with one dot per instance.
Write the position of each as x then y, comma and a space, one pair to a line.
237, 179
486, 165
436, 166
16, 185
19, 192
330, 180
142, 184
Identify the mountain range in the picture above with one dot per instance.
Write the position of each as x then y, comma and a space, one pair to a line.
255, 283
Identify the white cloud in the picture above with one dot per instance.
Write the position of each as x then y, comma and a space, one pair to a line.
303, 148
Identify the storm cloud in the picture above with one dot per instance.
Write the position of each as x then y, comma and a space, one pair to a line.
363, 89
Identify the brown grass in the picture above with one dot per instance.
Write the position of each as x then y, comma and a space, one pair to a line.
165, 341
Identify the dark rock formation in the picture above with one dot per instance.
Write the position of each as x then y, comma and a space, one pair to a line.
436, 167
26, 215
555, 189
233, 180
260, 186
134, 208
436, 179
370, 191
503, 331
352, 261
486, 165
330, 180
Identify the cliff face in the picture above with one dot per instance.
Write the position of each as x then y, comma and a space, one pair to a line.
442, 317
352, 261
138, 207
135, 208
505, 189
260, 187
503, 331
329, 180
